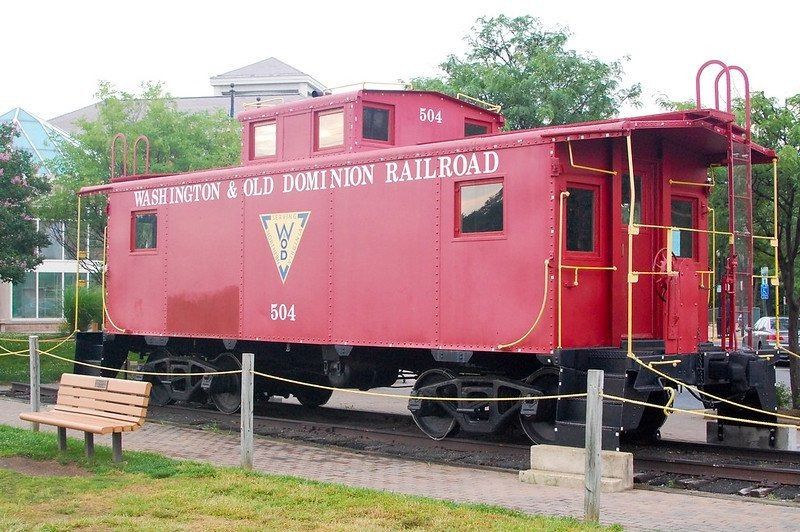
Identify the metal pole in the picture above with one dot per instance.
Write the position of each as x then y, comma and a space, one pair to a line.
33, 351
594, 442
233, 101
246, 430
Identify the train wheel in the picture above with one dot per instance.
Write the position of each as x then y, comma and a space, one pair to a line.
313, 397
226, 390
160, 394
541, 427
432, 418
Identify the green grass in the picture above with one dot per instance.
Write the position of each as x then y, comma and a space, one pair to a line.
153, 492
15, 368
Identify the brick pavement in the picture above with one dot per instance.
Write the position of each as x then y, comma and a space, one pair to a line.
635, 510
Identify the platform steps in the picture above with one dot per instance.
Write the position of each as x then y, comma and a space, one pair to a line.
571, 413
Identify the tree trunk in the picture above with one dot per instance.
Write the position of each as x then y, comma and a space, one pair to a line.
794, 362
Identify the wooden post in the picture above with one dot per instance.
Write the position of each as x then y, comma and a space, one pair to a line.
594, 443
35, 375
246, 429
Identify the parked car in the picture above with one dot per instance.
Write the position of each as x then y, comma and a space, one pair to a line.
764, 335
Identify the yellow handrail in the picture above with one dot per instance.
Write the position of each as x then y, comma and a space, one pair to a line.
632, 230
690, 229
491, 107
581, 167
564, 194
577, 268
541, 309
103, 281
774, 242
713, 271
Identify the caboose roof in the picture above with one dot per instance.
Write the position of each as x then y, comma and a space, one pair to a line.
332, 100
704, 130
701, 128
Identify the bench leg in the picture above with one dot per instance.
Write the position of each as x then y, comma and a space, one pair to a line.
62, 439
116, 445
88, 439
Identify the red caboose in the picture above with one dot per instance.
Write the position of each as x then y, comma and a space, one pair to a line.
379, 231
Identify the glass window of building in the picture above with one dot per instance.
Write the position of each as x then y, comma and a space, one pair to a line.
55, 232
41, 294
23, 297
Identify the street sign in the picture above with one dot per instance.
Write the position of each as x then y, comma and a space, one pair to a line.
764, 291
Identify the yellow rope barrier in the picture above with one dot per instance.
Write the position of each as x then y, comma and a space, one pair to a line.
65, 340
787, 351
541, 309
702, 413
14, 353
77, 265
135, 372
421, 397
41, 340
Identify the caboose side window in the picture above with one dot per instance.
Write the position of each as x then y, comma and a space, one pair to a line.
330, 129
683, 216
264, 139
481, 207
581, 214
377, 123
144, 231
473, 127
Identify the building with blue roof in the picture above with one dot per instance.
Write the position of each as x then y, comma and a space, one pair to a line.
35, 304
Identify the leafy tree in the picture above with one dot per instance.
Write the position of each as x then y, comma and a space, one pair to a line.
19, 187
528, 69
778, 126
179, 142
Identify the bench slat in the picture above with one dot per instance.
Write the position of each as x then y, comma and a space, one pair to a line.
94, 404
110, 385
78, 422
111, 397
97, 413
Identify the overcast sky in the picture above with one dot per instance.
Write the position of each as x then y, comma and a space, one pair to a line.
55, 52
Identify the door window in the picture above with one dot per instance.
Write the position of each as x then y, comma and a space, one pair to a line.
626, 200
683, 216
581, 216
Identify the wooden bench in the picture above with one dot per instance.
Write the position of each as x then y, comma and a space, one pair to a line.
96, 405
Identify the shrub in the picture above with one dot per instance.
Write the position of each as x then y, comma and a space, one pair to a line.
783, 396
90, 306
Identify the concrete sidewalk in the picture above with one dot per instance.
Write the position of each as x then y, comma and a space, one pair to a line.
635, 510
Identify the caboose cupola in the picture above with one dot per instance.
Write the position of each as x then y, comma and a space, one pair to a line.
359, 121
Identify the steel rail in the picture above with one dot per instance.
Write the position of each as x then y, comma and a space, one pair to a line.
751, 473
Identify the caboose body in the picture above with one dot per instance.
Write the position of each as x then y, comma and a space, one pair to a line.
382, 231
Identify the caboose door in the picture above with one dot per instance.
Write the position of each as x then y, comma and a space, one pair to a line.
644, 252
